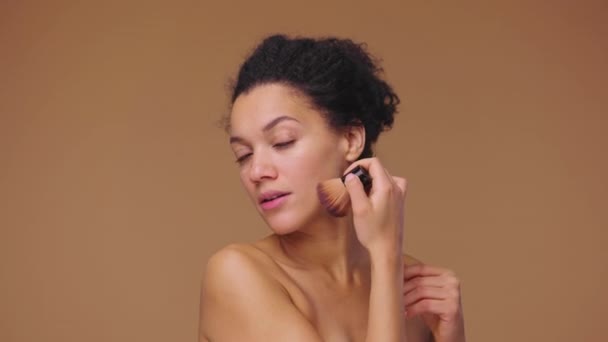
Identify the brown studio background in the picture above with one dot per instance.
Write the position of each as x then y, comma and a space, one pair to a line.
116, 185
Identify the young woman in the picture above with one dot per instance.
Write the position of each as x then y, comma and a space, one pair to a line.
305, 111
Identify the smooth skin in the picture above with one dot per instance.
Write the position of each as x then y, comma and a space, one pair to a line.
318, 277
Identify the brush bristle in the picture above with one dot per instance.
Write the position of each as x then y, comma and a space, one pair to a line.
334, 197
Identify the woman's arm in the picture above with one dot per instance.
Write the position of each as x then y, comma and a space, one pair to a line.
378, 220
386, 317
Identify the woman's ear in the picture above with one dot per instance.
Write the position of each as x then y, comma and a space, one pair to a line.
355, 141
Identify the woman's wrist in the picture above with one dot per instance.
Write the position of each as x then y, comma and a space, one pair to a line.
384, 253
386, 260
386, 321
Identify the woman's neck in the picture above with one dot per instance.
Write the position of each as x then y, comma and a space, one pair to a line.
331, 247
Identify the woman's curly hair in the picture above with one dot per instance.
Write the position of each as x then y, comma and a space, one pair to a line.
339, 77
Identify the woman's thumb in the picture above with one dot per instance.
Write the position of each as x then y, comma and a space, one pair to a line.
358, 197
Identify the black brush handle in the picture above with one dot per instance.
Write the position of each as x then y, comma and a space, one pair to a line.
363, 175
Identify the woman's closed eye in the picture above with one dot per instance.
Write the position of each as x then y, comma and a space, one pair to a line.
284, 144
281, 145
243, 158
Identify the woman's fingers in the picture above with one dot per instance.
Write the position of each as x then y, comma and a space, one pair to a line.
433, 293
359, 201
417, 270
381, 180
424, 292
430, 289
431, 306
447, 293
430, 281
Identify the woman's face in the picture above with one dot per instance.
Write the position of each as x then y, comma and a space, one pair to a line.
284, 148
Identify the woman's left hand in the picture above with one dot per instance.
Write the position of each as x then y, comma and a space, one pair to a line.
434, 294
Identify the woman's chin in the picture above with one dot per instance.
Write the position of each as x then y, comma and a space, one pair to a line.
282, 226
289, 222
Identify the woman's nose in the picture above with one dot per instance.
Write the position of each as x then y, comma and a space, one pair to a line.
261, 168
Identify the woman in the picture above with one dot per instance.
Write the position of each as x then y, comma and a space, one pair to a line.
304, 111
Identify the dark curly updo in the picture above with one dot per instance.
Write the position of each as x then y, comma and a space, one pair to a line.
339, 77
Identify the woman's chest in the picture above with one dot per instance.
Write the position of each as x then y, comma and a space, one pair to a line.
338, 315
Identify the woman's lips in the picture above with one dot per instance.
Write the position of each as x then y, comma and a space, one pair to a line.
274, 203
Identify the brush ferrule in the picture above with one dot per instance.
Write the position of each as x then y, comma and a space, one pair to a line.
363, 175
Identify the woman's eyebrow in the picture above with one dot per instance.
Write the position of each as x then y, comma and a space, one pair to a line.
276, 121
270, 125
235, 139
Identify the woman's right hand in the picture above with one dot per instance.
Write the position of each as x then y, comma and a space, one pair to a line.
379, 217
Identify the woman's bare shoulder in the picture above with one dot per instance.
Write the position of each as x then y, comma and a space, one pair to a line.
239, 286
239, 262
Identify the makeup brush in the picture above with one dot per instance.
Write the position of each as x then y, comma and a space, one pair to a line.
334, 196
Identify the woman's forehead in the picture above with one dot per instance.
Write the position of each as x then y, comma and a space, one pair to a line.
265, 103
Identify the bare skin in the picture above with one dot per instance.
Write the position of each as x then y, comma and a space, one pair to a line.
337, 310
319, 278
